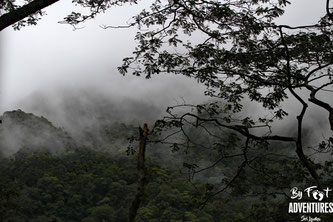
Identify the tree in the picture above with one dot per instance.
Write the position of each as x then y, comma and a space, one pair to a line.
245, 55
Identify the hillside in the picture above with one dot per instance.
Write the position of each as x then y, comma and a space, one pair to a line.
97, 183
20, 130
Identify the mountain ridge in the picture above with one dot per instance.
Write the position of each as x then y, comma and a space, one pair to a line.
19, 130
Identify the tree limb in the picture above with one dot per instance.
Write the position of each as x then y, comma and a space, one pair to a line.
329, 14
320, 103
299, 146
242, 130
14, 16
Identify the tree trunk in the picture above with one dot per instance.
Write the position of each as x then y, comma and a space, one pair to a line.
141, 173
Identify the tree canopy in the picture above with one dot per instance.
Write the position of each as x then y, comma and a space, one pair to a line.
245, 55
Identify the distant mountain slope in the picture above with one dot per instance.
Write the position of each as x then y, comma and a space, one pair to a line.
25, 130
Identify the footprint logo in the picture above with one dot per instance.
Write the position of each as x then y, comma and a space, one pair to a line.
318, 195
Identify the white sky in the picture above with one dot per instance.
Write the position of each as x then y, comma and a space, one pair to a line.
50, 57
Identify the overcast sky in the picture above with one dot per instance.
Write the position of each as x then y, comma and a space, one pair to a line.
50, 58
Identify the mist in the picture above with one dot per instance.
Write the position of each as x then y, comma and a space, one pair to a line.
71, 77
50, 65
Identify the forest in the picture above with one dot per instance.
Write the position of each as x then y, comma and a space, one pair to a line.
257, 148
75, 182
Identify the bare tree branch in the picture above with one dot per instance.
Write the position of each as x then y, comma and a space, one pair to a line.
242, 130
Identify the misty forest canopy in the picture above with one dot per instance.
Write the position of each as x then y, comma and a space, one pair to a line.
242, 55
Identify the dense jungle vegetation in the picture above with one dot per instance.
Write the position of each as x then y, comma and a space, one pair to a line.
87, 184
